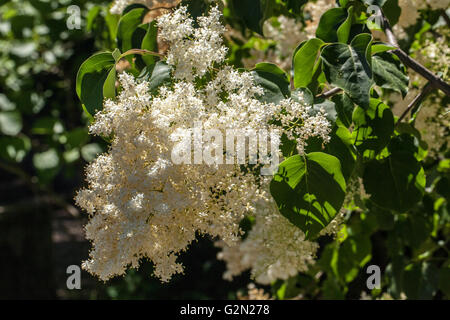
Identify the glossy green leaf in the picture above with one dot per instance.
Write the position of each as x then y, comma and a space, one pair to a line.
109, 87
389, 73
373, 128
128, 24
340, 146
309, 191
273, 80
380, 47
396, 182
304, 60
91, 78
344, 108
347, 67
343, 32
329, 24
354, 253
392, 11
420, 281
253, 12
161, 75
149, 42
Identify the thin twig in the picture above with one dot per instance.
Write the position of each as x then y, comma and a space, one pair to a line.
161, 7
417, 100
329, 93
436, 82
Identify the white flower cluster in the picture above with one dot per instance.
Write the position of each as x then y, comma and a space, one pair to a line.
274, 248
142, 205
193, 50
302, 128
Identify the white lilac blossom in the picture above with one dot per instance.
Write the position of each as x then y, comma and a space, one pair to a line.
274, 248
142, 205
193, 51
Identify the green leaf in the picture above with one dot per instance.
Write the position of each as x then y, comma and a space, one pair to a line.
329, 24
392, 11
112, 20
273, 80
343, 32
362, 43
91, 17
304, 61
340, 146
328, 106
347, 67
91, 78
389, 73
128, 24
354, 253
150, 43
253, 12
420, 281
396, 182
384, 218
159, 76
109, 87
373, 128
344, 108
380, 47
413, 138
309, 191
116, 55
10, 122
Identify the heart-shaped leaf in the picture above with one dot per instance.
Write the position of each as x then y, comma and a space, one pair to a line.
309, 191
91, 79
347, 67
